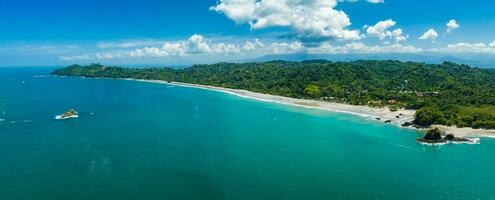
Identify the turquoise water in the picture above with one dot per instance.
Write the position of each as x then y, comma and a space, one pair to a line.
138, 140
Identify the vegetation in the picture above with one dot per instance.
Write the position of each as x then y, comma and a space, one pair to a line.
447, 93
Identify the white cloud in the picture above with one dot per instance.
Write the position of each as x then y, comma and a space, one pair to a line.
174, 49
239, 11
149, 52
398, 35
360, 48
429, 35
199, 48
284, 48
452, 25
308, 18
251, 46
197, 45
381, 31
465, 47
249, 49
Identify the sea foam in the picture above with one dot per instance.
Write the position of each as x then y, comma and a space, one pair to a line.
471, 141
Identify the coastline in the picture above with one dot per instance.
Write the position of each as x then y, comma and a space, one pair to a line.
384, 114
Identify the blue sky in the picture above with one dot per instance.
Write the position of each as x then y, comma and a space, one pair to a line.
56, 32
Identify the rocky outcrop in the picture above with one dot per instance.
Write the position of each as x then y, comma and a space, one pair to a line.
452, 138
435, 136
407, 124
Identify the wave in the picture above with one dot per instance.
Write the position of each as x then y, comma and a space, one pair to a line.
489, 136
433, 144
471, 141
369, 116
484, 136
15, 122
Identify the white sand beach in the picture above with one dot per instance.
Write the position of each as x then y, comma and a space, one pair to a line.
380, 114
467, 132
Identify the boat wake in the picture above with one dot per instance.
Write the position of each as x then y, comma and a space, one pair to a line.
61, 117
16, 122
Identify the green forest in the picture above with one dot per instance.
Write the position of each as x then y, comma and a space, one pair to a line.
446, 94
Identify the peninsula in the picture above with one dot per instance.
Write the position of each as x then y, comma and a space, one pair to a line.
455, 98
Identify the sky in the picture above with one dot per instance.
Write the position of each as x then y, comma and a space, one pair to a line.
166, 32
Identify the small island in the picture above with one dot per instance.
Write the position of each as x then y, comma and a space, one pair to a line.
71, 113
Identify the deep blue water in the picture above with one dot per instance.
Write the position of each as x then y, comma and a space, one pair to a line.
137, 140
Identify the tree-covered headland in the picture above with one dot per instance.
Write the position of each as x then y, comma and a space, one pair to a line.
447, 93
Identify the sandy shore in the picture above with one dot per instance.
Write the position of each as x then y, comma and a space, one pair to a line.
383, 114
467, 132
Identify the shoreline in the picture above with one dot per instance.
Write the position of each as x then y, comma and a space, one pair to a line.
384, 114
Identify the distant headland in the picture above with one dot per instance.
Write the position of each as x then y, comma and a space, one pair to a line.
457, 99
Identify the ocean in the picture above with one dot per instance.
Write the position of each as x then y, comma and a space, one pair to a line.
137, 140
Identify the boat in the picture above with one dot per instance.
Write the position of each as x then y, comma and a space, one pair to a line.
71, 113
